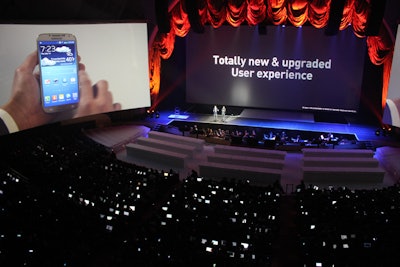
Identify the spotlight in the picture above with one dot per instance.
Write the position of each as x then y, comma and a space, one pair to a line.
378, 132
157, 114
386, 130
150, 113
389, 129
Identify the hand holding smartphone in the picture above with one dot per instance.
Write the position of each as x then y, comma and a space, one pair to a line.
58, 64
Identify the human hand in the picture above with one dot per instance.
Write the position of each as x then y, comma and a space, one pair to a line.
24, 105
94, 99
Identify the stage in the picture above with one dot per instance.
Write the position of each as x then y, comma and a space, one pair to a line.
337, 124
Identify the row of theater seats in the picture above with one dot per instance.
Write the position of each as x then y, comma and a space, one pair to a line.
343, 227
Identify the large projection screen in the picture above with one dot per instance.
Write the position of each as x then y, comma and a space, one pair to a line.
288, 68
391, 113
115, 52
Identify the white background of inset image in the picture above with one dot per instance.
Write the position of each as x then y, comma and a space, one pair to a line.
394, 81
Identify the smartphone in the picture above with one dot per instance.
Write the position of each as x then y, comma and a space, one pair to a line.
58, 64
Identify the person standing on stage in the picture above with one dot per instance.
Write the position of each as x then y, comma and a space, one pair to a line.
215, 111
223, 113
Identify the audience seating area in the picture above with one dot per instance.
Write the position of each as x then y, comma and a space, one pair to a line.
343, 227
67, 201
210, 223
340, 166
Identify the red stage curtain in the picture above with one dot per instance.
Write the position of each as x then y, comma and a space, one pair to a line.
216, 12
203, 12
180, 21
318, 13
276, 11
255, 11
360, 15
162, 48
297, 12
347, 16
166, 43
236, 12
154, 72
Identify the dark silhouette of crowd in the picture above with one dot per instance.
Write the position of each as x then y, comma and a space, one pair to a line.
68, 201
344, 227
265, 137
212, 223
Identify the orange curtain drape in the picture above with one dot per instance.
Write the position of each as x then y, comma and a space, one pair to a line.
179, 21
277, 12
236, 12
380, 51
360, 11
318, 13
216, 12
256, 12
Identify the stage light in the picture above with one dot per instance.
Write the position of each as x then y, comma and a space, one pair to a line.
386, 130
378, 132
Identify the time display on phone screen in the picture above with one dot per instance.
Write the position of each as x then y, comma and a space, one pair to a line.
59, 74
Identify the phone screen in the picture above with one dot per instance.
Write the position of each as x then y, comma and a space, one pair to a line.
59, 72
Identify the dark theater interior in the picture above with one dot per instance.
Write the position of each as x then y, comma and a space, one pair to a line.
200, 133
